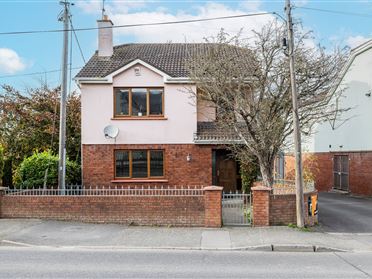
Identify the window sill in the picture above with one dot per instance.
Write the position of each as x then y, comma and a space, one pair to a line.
152, 180
139, 118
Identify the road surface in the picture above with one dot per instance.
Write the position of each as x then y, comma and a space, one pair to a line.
34, 262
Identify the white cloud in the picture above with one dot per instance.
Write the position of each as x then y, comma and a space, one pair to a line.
354, 41
90, 6
10, 62
125, 7
119, 6
251, 5
191, 32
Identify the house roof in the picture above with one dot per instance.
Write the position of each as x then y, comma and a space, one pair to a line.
210, 133
169, 58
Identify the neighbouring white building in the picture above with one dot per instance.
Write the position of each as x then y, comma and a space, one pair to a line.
343, 149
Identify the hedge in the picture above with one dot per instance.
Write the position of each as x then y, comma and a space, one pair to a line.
31, 172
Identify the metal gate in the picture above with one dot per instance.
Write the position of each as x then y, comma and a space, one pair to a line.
236, 209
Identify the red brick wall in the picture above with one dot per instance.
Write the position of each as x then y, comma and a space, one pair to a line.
176, 210
360, 171
98, 164
272, 210
213, 206
283, 210
323, 171
260, 205
185, 210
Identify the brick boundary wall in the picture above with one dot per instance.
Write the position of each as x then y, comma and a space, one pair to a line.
283, 210
272, 210
360, 175
189, 211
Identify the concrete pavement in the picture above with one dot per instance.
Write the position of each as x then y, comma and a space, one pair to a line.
26, 232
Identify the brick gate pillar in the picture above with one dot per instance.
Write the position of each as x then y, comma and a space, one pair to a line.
261, 205
213, 206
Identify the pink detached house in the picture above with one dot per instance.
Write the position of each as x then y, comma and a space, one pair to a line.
142, 91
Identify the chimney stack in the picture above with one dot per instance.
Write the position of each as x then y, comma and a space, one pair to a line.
105, 44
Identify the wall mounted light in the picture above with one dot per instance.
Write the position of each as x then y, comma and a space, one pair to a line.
188, 158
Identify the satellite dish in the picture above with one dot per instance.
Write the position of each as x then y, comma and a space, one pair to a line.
111, 132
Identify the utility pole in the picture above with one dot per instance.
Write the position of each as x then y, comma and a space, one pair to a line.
296, 121
62, 121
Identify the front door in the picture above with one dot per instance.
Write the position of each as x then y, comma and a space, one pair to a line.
226, 168
341, 172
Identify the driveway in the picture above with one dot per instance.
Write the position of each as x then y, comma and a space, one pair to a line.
344, 213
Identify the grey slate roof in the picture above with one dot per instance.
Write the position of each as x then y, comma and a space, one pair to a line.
210, 133
169, 58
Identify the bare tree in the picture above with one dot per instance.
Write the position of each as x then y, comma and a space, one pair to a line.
249, 85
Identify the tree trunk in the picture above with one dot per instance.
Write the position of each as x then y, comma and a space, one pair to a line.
266, 168
7, 174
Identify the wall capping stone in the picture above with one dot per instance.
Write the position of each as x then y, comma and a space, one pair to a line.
213, 188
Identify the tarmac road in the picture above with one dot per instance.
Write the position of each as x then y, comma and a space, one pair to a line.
98, 263
340, 213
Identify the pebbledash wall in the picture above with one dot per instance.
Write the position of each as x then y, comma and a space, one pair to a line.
202, 209
177, 126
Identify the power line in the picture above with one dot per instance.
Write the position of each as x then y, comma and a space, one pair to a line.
37, 73
336, 12
77, 42
140, 24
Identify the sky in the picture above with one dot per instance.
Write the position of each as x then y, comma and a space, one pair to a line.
28, 59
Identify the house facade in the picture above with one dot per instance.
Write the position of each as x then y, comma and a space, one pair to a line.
340, 152
166, 136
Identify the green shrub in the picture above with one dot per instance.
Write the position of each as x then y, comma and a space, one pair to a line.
249, 172
31, 171
1, 164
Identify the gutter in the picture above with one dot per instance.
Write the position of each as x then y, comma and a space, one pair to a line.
170, 80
